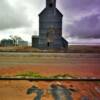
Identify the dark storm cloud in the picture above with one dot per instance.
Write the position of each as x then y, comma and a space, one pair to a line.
11, 17
82, 18
87, 27
79, 6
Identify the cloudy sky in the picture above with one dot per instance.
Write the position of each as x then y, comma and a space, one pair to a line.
81, 22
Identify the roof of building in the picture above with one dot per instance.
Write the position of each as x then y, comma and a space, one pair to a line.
46, 11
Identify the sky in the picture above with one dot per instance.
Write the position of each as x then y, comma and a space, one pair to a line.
81, 20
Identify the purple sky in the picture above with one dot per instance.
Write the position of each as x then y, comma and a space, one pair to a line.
81, 18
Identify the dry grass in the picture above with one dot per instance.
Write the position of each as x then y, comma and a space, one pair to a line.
84, 49
71, 49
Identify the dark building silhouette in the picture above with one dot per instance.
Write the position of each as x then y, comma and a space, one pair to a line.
50, 28
7, 42
35, 40
13, 42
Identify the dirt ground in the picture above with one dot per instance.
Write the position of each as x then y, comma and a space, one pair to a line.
82, 64
20, 90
